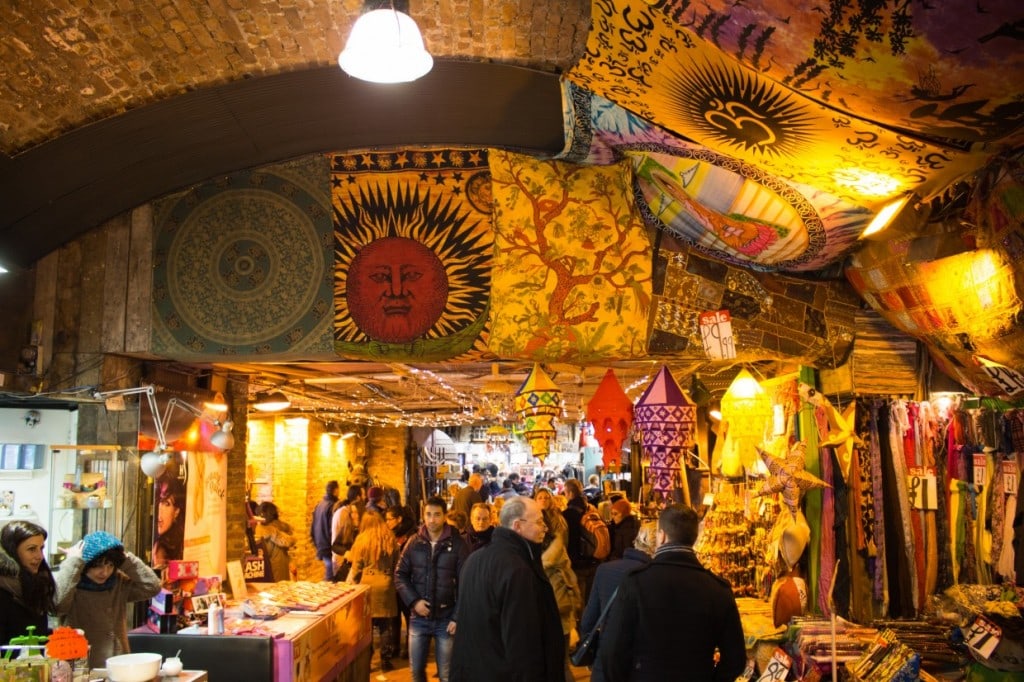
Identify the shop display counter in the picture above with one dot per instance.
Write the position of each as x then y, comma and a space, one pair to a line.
183, 676
331, 643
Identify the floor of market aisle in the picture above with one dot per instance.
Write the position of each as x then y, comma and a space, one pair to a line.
402, 672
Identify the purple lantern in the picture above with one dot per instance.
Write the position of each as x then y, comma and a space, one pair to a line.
667, 419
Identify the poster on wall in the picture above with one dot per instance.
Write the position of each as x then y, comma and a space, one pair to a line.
169, 518
206, 513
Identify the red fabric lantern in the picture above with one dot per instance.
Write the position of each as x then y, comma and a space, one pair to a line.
611, 413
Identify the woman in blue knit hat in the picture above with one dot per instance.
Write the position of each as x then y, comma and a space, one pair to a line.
94, 586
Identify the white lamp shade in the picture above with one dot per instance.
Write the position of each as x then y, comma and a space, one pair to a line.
223, 438
153, 464
385, 46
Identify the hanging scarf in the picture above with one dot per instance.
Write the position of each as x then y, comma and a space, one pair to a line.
898, 425
878, 494
959, 492
828, 538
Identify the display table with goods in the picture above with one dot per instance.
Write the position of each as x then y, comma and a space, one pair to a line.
286, 631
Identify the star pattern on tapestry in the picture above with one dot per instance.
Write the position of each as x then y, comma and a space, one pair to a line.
787, 476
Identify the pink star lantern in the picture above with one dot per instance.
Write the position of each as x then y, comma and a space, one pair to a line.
787, 475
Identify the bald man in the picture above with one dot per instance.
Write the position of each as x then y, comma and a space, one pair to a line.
468, 496
509, 627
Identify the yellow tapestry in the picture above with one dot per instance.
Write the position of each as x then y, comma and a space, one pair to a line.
572, 262
645, 59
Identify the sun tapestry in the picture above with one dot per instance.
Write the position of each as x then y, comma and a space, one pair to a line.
413, 253
662, 62
572, 267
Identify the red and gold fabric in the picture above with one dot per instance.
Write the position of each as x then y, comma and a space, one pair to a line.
413, 252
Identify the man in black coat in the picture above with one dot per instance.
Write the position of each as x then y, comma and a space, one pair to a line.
427, 579
671, 615
607, 579
320, 528
509, 627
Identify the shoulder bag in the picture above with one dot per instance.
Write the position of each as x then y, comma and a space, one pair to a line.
586, 649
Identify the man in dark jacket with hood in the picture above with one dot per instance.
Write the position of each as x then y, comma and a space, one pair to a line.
320, 529
670, 615
427, 580
509, 627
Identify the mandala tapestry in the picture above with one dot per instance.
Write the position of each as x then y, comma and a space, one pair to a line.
572, 270
413, 253
773, 316
661, 63
241, 267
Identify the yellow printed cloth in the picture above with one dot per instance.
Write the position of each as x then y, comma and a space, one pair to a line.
572, 262
657, 62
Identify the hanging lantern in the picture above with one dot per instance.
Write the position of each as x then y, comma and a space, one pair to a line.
747, 410
537, 403
667, 420
611, 413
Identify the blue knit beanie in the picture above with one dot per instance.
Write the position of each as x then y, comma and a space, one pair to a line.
95, 544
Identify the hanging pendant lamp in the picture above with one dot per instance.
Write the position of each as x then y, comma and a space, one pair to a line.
385, 46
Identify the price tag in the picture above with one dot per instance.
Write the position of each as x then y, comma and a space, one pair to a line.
716, 335
1009, 380
1010, 477
922, 488
980, 466
778, 667
983, 636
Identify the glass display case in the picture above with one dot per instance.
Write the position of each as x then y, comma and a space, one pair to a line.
85, 486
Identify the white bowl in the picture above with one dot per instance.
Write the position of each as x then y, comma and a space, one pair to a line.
133, 667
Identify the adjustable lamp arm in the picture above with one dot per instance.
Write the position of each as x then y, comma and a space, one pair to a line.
150, 393
224, 441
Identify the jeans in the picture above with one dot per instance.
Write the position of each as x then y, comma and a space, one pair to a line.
420, 631
328, 568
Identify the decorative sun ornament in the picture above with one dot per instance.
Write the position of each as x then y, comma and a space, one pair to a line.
787, 476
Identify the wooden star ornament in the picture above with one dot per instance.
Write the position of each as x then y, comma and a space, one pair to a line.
841, 435
788, 476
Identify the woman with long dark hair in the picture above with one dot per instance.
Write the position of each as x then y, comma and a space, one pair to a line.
169, 542
26, 582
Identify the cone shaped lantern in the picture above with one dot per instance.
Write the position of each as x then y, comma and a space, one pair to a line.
666, 419
611, 413
537, 403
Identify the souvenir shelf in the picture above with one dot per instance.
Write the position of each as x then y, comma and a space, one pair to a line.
84, 481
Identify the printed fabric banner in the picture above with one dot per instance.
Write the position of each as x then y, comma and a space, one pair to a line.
413, 254
658, 62
572, 275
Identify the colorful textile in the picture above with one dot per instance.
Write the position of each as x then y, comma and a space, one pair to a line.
730, 210
242, 267
413, 253
884, 359
772, 315
962, 293
661, 62
572, 263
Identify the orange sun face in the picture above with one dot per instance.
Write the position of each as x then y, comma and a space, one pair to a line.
397, 289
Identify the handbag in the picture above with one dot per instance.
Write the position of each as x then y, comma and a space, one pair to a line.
586, 649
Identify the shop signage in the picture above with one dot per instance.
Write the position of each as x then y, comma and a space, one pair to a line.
922, 488
777, 668
983, 636
1009, 380
254, 568
980, 466
1009, 477
716, 335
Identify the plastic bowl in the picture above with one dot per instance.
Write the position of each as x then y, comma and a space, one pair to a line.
134, 667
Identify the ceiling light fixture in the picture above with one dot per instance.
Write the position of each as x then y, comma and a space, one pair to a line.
271, 401
385, 46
